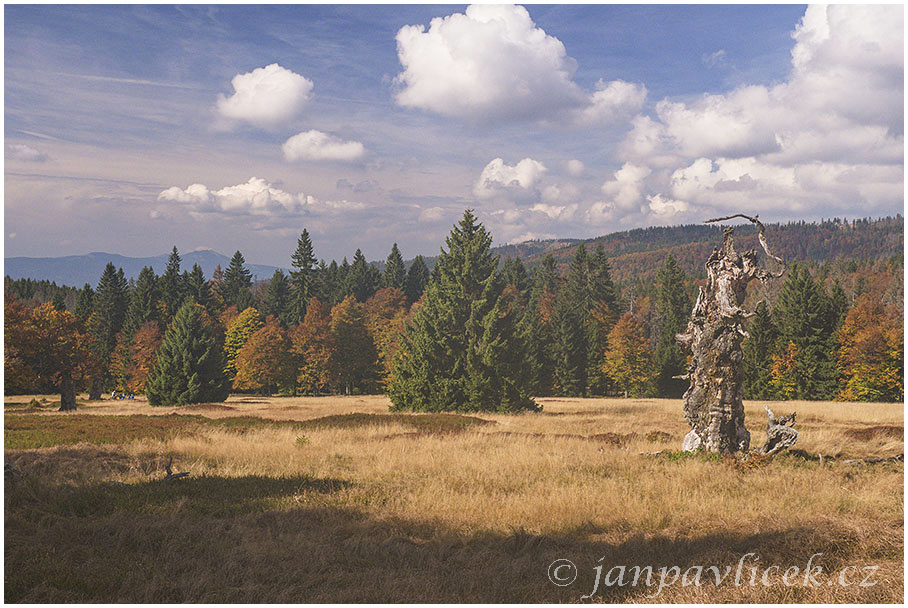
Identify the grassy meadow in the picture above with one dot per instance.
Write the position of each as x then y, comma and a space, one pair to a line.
334, 499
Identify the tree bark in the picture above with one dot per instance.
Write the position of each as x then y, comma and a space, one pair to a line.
714, 403
94, 391
67, 394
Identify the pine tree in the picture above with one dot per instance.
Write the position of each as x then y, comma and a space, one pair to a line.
237, 281
395, 274
672, 312
803, 320
238, 332
143, 301
190, 364
106, 320
759, 347
417, 279
572, 317
461, 351
196, 286
171, 288
363, 279
302, 279
277, 298
84, 304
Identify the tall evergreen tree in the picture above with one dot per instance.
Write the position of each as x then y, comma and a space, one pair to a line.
106, 320
803, 320
395, 274
513, 272
603, 314
237, 281
84, 304
673, 308
417, 279
190, 364
572, 316
762, 342
363, 278
58, 301
302, 278
196, 286
171, 287
341, 283
461, 351
277, 298
143, 301
354, 359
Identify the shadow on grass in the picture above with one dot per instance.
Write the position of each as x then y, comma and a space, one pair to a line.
334, 553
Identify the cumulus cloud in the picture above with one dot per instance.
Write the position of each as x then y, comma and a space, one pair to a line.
431, 214
499, 179
574, 167
315, 145
25, 153
266, 97
493, 63
826, 139
256, 197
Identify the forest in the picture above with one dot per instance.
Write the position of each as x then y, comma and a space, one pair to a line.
475, 332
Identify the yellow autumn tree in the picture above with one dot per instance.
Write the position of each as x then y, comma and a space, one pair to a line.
629, 359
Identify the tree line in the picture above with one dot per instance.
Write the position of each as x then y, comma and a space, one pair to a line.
474, 334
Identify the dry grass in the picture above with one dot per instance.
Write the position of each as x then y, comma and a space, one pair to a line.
395, 508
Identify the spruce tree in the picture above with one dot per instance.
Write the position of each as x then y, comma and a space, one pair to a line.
196, 287
417, 279
190, 364
84, 303
277, 298
760, 345
143, 301
171, 287
341, 286
673, 308
106, 320
513, 272
461, 351
395, 274
302, 278
58, 301
803, 320
572, 316
237, 281
603, 314
363, 279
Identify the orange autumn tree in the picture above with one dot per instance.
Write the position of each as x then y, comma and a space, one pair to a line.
386, 313
871, 352
264, 362
312, 345
45, 347
629, 359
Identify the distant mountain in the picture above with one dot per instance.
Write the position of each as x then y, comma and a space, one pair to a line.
77, 270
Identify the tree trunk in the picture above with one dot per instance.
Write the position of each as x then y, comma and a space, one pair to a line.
714, 403
67, 394
94, 391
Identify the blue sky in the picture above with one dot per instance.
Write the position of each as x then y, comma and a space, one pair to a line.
134, 128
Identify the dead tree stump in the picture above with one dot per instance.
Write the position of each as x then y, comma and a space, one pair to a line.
779, 434
714, 403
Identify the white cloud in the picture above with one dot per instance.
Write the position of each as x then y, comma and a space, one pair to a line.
431, 214
25, 153
827, 140
575, 167
518, 180
493, 63
266, 97
315, 145
256, 197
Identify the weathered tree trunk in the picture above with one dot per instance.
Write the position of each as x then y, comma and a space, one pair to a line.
779, 434
67, 394
714, 403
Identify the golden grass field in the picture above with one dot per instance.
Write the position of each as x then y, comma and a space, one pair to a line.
407, 508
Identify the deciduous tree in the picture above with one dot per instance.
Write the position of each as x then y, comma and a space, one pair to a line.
264, 363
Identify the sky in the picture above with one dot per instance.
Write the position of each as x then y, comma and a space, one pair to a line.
131, 129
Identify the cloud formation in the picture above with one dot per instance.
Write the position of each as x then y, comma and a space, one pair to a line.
265, 97
25, 153
315, 145
514, 181
829, 137
256, 197
493, 63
